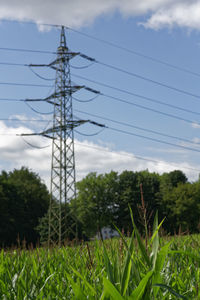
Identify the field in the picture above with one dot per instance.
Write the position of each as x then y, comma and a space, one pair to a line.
124, 268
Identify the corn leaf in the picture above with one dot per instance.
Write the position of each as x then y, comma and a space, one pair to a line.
108, 266
127, 267
141, 244
85, 281
166, 287
162, 254
111, 290
139, 291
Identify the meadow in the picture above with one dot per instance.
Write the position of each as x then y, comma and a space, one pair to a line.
123, 268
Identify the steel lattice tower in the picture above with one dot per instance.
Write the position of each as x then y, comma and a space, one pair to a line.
62, 223
63, 161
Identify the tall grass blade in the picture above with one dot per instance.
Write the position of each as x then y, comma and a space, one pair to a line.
137, 294
166, 287
159, 264
141, 244
134, 268
77, 290
85, 281
47, 279
127, 267
105, 296
108, 266
111, 290
155, 240
186, 253
156, 231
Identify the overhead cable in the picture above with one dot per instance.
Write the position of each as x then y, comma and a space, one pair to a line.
136, 95
137, 53
137, 127
152, 139
28, 50
109, 43
148, 79
24, 84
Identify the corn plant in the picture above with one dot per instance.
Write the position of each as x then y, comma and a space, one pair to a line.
124, 268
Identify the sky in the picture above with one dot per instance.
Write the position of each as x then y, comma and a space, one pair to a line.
147, 69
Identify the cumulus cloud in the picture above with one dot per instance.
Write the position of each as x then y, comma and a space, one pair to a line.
195, 125
78, 13
180, 13
16, 152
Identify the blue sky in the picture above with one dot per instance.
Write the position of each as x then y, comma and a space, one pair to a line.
164, 30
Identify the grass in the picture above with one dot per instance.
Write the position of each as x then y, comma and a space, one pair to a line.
117, 269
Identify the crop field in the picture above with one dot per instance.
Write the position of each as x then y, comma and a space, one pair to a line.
123, 268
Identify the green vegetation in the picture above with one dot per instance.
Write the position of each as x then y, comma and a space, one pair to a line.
102, 200
118, 269
24, 199
105, 199
125, 268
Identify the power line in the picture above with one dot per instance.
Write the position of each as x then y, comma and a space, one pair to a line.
34, 146
141, 136
27, 50
120, 123
13, 64
102, 84
114, 45
85, 101
139, 128
149, 80
152, 139
33, 23
117, 153
36, 111
121, 131
137, 95
25, 84
137, 53
123, 101
119, 70
24, 120
151, 109
92, 134
12, 99
39, 76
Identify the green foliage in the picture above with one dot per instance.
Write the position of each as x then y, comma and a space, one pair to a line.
95, 202
101, 201
104, 199
23, 200
121, 269
182, 207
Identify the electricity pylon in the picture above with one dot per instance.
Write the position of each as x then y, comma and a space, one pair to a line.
62, 188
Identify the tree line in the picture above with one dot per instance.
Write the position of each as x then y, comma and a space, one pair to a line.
102, 200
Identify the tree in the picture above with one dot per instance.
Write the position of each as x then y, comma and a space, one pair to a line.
183, 206
168, 182
130, 184
96, 201
128, 195
23, 200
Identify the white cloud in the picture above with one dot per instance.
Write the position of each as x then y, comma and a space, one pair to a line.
90, 157
180, 13
195, 125
78, 13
